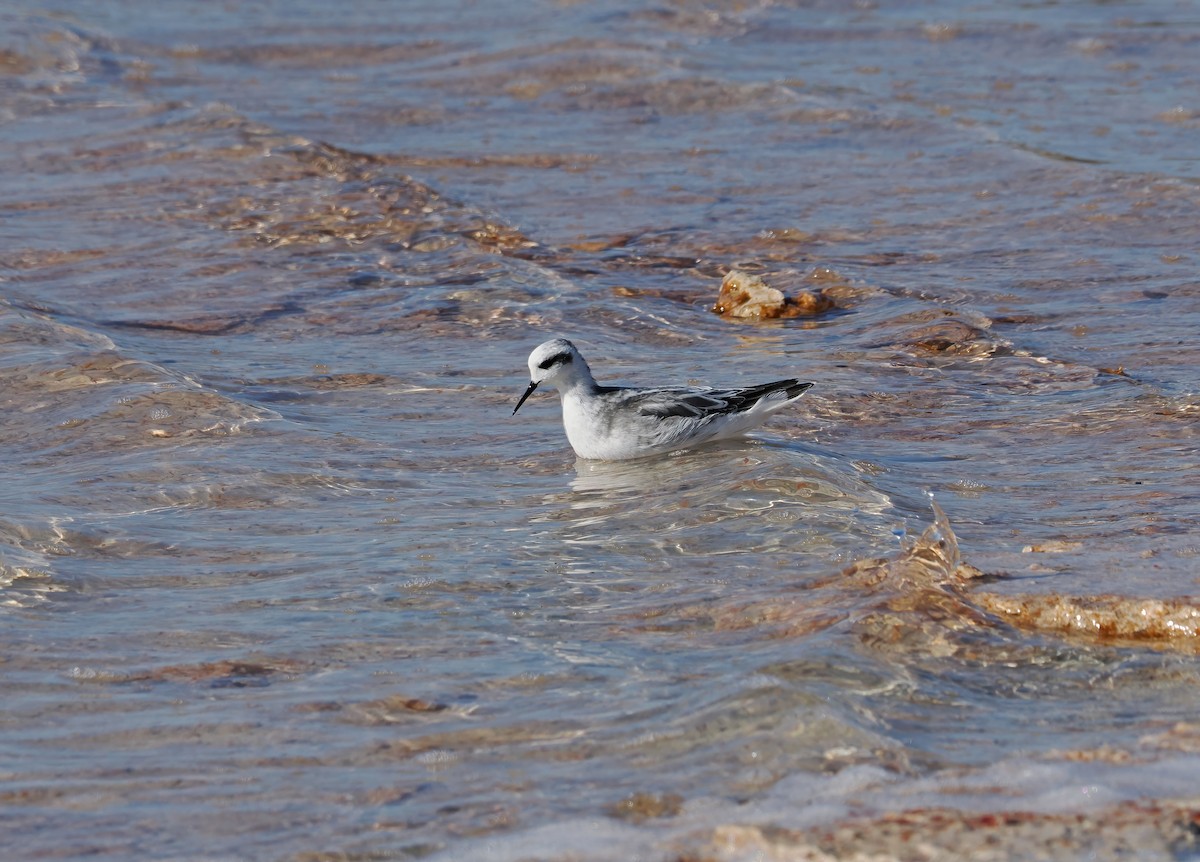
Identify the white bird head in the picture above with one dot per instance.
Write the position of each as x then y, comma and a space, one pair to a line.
557, 363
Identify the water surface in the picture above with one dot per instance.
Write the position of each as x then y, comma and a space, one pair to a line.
280, 576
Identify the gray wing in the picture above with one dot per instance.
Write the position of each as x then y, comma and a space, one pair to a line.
704, 404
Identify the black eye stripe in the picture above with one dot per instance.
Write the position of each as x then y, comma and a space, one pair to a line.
555, 360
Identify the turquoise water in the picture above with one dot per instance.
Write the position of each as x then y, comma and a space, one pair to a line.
280, 576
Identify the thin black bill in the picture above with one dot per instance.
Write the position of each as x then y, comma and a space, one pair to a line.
528, 392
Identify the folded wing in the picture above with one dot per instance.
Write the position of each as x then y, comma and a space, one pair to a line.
711, 403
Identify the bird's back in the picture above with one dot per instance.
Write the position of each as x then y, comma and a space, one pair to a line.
615, 423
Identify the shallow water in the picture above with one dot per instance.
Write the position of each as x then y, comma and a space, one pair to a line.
282, 579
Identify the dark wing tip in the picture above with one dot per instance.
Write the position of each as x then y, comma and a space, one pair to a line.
792, 388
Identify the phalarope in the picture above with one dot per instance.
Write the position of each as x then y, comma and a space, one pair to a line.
612, 423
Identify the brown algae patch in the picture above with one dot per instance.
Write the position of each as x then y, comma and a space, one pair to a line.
640, 807
363, 201
394, 709
225, 673
453, 744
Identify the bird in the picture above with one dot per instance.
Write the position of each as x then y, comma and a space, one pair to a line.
616, 423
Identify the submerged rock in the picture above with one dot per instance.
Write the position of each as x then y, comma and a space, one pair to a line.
954, 337
930, 604
1160, 830
924, 602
